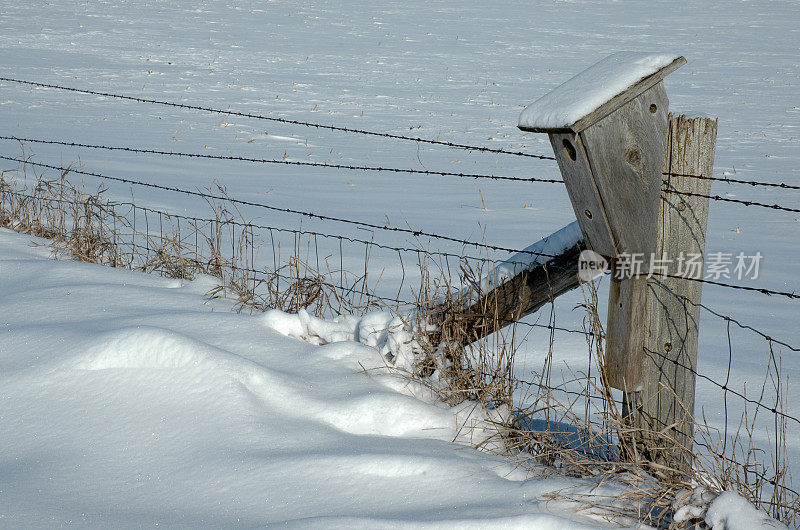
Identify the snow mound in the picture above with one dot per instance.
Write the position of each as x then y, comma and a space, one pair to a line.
143, 347
382, 330
725, 511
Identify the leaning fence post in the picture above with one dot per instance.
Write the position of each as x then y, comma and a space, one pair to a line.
665, 403
608, 127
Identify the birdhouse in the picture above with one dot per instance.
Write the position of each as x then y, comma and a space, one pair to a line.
607, 126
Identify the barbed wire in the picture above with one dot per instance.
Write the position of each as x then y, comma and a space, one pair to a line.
729, 180
351, 167
761, 290
350, 239
727, 199
365, 132
279, 161
278, 120
773, 409
415, 233
242, 224
399, 301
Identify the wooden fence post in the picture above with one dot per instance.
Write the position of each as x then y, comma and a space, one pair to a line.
611, 132
665, 402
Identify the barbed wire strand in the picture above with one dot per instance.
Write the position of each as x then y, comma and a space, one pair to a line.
415, 233
737, 201
767, 292
730, 180
278, 120
352, 167
279, 161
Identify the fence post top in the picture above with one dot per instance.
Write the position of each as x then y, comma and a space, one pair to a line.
597, 91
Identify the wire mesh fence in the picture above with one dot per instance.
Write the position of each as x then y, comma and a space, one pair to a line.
568, 419
560, 417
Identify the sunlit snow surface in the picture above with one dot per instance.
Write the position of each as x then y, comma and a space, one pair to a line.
128, 400
460, 71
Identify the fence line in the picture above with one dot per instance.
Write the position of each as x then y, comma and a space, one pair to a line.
279, 161
365, 132
300, 232
215, 224
415, 233
357, 168
280, 120
737, 201
154, 241
730, 180
768, 292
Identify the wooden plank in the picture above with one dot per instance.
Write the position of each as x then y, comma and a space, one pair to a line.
665, 404
626, 153
519, 296
583, 193
625, 332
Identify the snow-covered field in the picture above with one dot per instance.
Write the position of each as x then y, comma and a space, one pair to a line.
129, 400
458, 71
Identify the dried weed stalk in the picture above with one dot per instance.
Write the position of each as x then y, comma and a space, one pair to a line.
585, 432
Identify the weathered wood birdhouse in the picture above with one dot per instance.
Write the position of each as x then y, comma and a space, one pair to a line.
608, 127
630, 170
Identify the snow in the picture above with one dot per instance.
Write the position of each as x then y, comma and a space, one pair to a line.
563, 106
459, 72
385, 331
129, 400
724, 511
730, 511
537, 254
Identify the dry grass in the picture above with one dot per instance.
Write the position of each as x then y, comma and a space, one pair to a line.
82, 225
582, 432
589, 432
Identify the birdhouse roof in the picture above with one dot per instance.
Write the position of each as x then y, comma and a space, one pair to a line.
597, 91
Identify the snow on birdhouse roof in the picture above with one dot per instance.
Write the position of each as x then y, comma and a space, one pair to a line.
597, 91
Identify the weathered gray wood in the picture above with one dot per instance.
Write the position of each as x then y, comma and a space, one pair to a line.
626, 150
612, 160
626, 153
665, 403
583, 193
519, 296
612, 174
625, 331
614, 103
